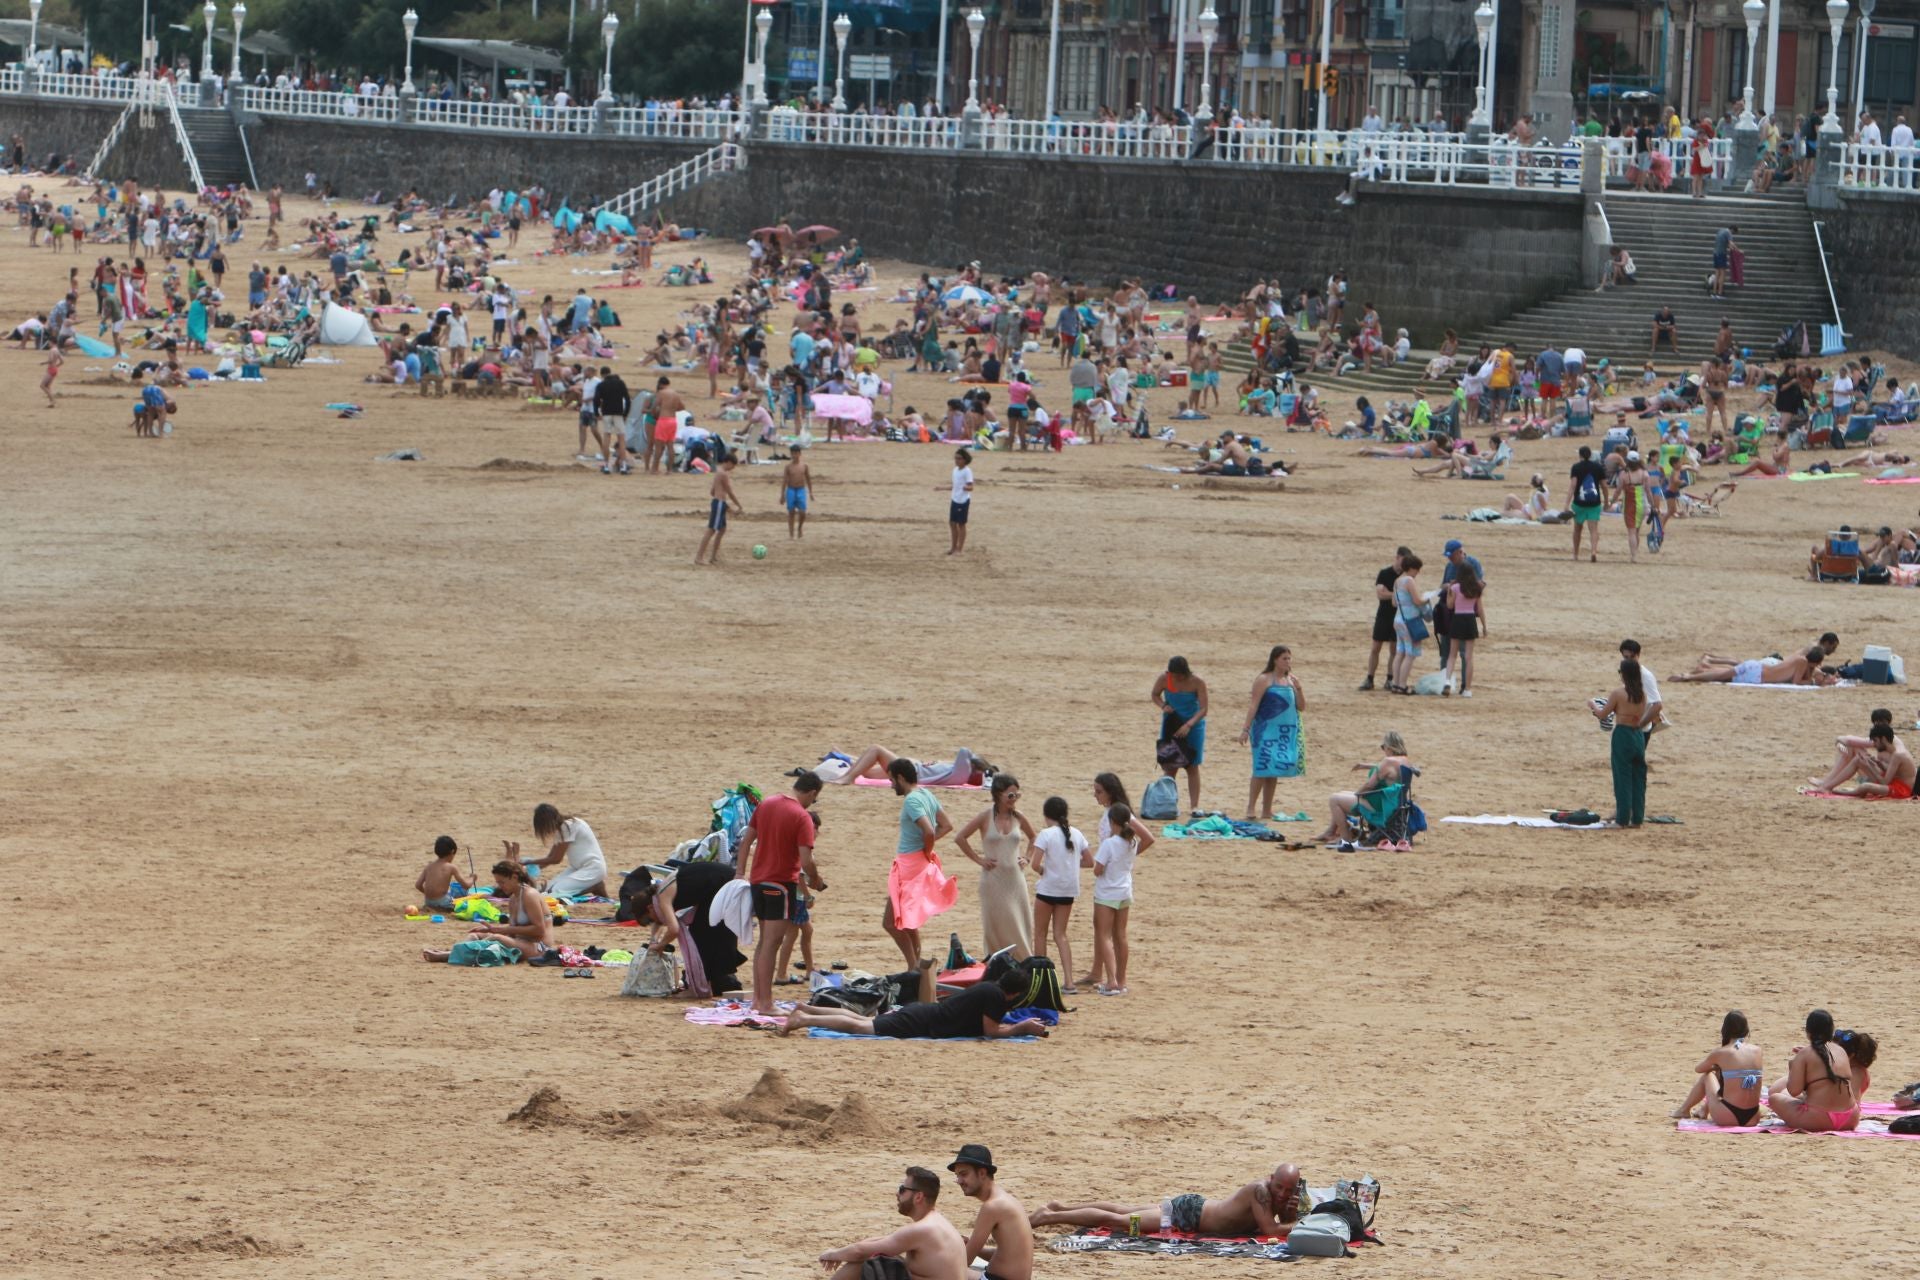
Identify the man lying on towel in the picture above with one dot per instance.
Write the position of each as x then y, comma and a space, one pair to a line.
928, 1248
1804, 669
974, 1012
965, 769
1268, 1208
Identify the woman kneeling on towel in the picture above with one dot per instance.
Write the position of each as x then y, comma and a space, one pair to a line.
528, 928
1727, 1091
572, 840
1820, 1096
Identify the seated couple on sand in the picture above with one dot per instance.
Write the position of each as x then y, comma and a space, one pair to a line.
973, 1013
965, 769
1821, 1093
1802, 669
1269, 1207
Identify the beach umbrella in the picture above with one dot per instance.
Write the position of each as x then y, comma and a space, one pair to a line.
565, 219
781, 232
961, 294
815, 235
606, 219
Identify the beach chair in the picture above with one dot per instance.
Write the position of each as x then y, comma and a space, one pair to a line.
1820, 429
1580, 424
1490, 468
1381, 817
1857, 429
1872, 380
1747, 432
288, 357
1840, 562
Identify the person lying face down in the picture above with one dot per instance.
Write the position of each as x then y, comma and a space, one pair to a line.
1268, 1207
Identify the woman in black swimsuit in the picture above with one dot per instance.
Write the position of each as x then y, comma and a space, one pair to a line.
1727, 1091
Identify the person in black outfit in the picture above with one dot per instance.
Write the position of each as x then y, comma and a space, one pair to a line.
1383, 612
975, 1012
612, 401
694, 886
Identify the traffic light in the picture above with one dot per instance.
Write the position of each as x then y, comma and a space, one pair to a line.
1331, 82
1313, 76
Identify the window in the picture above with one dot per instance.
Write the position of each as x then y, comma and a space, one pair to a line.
1890, 70
1390, 20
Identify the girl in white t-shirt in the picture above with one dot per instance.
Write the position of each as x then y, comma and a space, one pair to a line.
1112, 901
573, 841
1057, 853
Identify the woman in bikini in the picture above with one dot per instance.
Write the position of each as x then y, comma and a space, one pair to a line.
1432, 447
528, 928
1819, 1096
1727, 1091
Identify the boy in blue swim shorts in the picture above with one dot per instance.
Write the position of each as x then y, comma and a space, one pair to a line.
796, 486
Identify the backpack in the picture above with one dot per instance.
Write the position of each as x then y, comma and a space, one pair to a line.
1043, 985
1588, 492
868, 997
1161, 800
1905, 1124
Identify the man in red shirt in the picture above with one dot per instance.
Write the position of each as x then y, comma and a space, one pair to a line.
781, 830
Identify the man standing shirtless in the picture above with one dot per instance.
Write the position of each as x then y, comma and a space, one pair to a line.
1001, 1234
1266, 1208
663, 425
929, 1248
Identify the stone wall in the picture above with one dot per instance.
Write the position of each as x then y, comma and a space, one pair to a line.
1874, 241
77, 128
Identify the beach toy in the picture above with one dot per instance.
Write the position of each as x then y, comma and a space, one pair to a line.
439, 919
759, 551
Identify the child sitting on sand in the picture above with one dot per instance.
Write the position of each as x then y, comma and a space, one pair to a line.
439, 884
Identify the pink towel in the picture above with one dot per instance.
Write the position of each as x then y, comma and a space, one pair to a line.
857, 409
919, 889
944, 786
1878, 1131
732, 1013
1893, 480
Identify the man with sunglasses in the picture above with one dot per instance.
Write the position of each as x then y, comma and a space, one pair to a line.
928, 1248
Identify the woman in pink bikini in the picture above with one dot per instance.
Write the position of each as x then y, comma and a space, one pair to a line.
1820, 1096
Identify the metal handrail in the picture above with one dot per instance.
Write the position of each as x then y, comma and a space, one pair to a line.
107, 143
186, 143
246, 151
1820, 244
723, 158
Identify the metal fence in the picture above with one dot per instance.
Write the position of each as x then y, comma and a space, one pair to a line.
1878, 168
319, 106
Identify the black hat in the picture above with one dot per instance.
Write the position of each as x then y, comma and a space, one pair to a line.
978, 1156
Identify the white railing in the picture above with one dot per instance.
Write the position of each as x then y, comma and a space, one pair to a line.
1001, 134
1444, 158
11, 79
313, 104
688, 173
1833, 300
1619, 153
107, 143
660, 121
63, 84
1878, 168
186, 143
501, 117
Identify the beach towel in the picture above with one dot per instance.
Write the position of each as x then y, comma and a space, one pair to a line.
942, 786
1869, 1128
1839, 684
1219, 827
1841, 795
734, 1013
855, 409
1823, 475
482, 954
1515, 820
821, 1033
1893, 480
919, 889
92, 346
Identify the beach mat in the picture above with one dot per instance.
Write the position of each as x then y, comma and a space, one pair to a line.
732, 1013
1837, 795
1516, 820
941, 786
1894, 480
1869, 1128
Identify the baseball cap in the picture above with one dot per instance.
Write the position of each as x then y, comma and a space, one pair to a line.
1633, 455
1454, 545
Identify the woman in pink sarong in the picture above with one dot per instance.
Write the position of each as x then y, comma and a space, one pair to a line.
917, 888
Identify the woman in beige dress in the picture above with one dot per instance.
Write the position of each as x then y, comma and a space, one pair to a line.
1006, 909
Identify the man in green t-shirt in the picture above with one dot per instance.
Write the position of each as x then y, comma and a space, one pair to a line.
922, 823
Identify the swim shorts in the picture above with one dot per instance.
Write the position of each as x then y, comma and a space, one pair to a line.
1719, 261
717, 516
1113, 904
957, 512
1586, 514
1899, 791
1551, 390
664, 430
1082, 394
796, 499
887, 1268
1182, 1213
775, 900
1747, 672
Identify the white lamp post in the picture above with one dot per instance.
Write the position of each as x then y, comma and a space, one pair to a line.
1482, 27
1755, 10
820, 67
1836, 18
239, 21
976, 23
1860, 33
1053, 57
609, 28
940, 65
1209, 29
1326, 57
1773, 53
842, 28
411, 22
1179, 56
206, 52
763, 24
33, 33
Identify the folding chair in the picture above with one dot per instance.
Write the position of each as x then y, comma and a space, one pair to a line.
1490, 468
1840, 562
1381, 817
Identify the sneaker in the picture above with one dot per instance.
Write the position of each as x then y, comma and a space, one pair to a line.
606, 471
1466, 693
1366, 686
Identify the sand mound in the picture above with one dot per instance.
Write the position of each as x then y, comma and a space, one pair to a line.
544, 1110
625, 1124
856, 1118
518, 464
224, 1243
772, 1101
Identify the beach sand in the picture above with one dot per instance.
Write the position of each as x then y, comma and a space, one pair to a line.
249, 674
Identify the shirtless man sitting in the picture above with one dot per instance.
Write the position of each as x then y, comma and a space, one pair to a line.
1888, 761
1804, 669
1266, 1208
928, 1248
1001, 1235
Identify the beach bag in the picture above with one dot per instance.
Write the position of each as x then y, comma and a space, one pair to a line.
648, 974
1320, 1235
1160, 802
1909, 1125
1416, 628
868, 997
481, 953
1043, 985
1172, 754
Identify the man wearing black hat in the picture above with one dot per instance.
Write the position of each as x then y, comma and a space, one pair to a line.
929, 1248
1001, 1234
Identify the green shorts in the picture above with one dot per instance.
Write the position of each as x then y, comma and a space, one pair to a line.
1113, 904
1586, 515
1082, 394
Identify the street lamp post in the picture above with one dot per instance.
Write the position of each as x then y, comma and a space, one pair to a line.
842, 28
1836, 18
1482, 27
940, 65
976, 23
1053, 57
1179, 56
1755, 11
411, 21
609, 28
1209, 29
239, 21
1860, 33
1326, 55
206, 51
33, 32
763, 24
1773, 54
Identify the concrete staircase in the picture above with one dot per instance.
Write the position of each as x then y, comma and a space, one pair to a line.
218, 145
1671, 240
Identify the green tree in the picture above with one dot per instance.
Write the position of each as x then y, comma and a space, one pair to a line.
680, 47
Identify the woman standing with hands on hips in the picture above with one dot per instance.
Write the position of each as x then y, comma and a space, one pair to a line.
1182, 699
1273, 729
1006, 913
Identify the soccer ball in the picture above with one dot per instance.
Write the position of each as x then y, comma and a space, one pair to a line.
759, 552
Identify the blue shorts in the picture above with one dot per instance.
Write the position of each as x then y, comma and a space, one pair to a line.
957, 512
717, 516
1719, 261
796, 499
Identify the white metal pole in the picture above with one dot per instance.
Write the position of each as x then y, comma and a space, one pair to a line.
940, 65
1773, 52
1053, 57
1493, 61
239, 22
1836, 18
1180, 56
1326, 53
1753, 38
820, 71
1860, 35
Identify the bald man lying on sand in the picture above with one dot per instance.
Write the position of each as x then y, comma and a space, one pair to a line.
1267, 1208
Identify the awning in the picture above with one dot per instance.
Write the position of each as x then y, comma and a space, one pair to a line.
19, 31
263, 43
506, 52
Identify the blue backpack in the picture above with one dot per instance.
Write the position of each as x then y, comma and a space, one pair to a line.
1161, 800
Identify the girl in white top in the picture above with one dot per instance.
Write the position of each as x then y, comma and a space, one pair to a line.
1057, 853
1112, 900
572, 840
